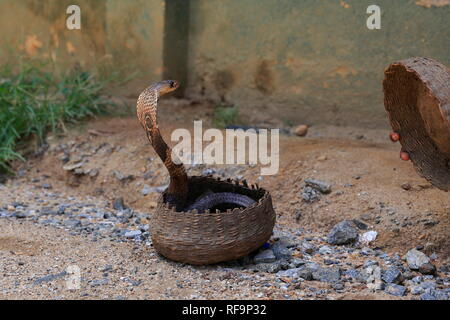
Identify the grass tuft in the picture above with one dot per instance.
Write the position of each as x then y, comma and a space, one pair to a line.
34, 102
225, 115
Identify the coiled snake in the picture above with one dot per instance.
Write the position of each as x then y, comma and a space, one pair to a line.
177, 192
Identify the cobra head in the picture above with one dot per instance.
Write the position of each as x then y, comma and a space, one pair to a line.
166, 86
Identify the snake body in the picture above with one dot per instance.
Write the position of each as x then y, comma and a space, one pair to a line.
214, 199
177, 192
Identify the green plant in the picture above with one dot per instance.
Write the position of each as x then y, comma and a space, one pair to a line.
225, 115
33, 102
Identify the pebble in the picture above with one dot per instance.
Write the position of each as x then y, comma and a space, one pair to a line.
49, 278
343, 233
322, 274
308, 248
309, 195
101, 282
431, 294
118, 204
368, 237
427, 268
321, 186
305, 272
72, 223
301, 130
392, 275
265, 256
280, 249
268, 267
132, 234
324, 250
416, 259
395, 290
356, 275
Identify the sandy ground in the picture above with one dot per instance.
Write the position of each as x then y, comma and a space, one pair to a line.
362, 167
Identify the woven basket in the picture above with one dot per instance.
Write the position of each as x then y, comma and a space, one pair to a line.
417, 99
206, 238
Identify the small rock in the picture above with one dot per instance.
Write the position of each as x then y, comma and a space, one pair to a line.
427, 268
343, 233
416, 290
327, 274
368, 237
290, 273
297, 262
309, 194
356, 275
121, 177
395, 290
146, 190
373, 279
369, 263
96, 283
281, 251
321, 186
338, 286
392, 275
268, 267
301, 130
360, 225
118, 204
305, 272
49, 278
72, 223
406, 186
432, 294
72, 166
20, 215
416, 259
428, 285
266, 256
132, 234
324, 250
308, 248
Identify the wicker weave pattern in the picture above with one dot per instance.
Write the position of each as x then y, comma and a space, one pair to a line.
206, 238
417, 99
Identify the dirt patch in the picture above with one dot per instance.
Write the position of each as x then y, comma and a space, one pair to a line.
17, 246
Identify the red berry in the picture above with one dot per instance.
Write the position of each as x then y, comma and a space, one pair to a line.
404, 156
394, 136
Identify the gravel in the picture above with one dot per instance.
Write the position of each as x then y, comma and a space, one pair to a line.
305, 258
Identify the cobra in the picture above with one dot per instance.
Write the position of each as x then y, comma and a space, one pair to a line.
177, 191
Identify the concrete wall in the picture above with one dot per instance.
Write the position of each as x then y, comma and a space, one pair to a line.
116, 35
307, 60
292, 61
